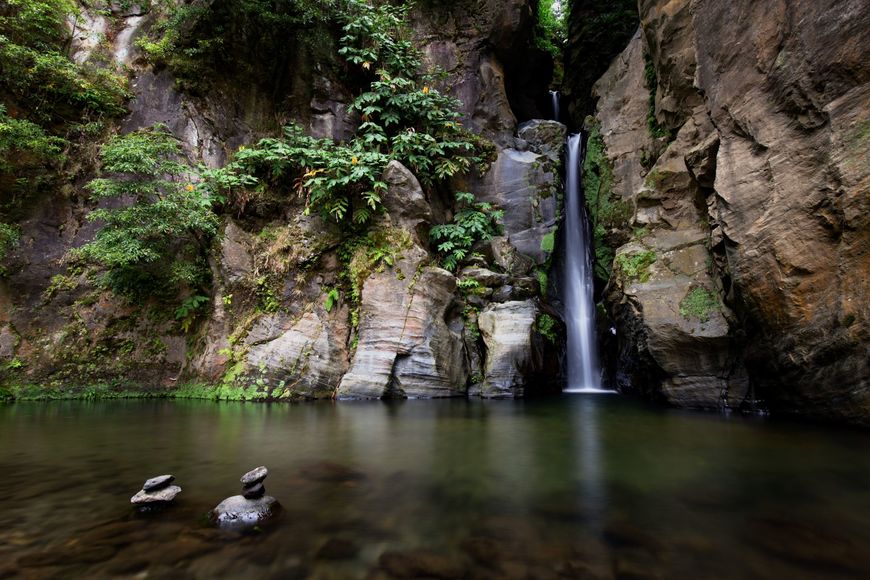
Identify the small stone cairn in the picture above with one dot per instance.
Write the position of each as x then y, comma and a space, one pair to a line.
250, 508
156, 492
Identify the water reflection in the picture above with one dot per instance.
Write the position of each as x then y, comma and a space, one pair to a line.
568, 487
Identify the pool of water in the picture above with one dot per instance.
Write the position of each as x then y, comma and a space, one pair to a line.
577, 486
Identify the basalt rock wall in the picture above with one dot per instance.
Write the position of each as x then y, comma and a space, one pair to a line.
737, 137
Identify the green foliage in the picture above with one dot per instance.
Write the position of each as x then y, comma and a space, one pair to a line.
656, 129
267, 296
474, 222
608, 213
332, 298
25, 147
404, 119
546, 326
469, 286
38, 74
8, 238
162, 229
635, 265
45, 98
190, 308
548, 242
543, 280
551, 34
699, 303
199, 41
469, 315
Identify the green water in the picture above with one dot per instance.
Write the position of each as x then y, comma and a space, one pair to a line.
570, 487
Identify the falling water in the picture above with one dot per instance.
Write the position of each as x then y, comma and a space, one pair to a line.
583, 373
557, 112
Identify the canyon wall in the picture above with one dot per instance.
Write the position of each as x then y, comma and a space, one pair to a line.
729, 174
417, 329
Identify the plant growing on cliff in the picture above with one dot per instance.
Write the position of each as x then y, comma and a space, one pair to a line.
656, 129
551, 33
404, 118
8, 238
607, 211
699, 303
635, 265
474, 222
546, 327
46, 97
159, 225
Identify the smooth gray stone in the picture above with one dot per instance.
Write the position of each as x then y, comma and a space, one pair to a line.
239, 512
166, 494
254, 476
158, 482
255, 491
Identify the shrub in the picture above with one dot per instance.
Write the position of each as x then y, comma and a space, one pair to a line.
474, 222
165, 221
403, 118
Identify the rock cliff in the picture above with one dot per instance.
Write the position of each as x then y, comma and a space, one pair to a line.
730, 142
276, 325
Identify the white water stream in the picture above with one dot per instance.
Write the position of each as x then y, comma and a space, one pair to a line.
584, 375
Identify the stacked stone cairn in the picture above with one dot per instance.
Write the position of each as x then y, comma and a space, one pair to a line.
250, 508
157, 492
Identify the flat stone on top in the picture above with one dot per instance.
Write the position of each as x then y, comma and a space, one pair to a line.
158, 482
166, 494
254, 476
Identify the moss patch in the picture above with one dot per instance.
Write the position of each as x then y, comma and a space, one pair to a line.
699, 303
635, 265
608, 212
546, 327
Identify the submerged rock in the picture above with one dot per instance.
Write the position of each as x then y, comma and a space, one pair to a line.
250, 508
239, 511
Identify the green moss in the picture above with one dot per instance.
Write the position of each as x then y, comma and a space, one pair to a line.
608, 212
635, 265
543, 279
546, 327
699, 303
32, 392
548, 242
656, 129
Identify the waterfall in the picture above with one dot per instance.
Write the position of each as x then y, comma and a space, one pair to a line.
555, 97
583, 372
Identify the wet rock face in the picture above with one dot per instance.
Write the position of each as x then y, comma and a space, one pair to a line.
410, 335
754, 207
510, 353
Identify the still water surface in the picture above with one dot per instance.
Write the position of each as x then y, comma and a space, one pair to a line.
573, 487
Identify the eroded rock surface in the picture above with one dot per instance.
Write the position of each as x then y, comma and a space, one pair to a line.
747, 182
